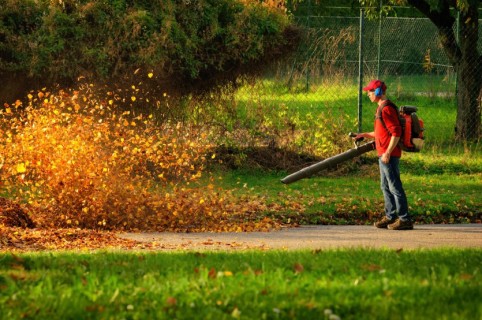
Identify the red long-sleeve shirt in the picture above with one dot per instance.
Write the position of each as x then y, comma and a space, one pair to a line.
393, 128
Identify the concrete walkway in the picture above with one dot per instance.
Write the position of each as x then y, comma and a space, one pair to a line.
319, 237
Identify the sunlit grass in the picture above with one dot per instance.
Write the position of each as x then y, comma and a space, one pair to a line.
433, 96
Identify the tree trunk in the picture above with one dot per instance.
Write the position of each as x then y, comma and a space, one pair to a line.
469, 78
464, 57
469, 83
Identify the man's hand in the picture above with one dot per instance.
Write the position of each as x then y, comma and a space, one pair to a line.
386, 157
393, 143
370, 135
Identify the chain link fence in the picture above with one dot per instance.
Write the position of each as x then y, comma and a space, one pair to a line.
338, 55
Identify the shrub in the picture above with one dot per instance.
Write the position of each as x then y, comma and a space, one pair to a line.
184, 42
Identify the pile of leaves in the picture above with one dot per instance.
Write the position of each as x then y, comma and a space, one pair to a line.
20, 239
78, 161
12, 215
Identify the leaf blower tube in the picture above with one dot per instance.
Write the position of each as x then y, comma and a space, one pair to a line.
339, 158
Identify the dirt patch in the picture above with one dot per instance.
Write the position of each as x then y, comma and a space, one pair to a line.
277, 159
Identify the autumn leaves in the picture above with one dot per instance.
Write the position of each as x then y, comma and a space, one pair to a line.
79, 161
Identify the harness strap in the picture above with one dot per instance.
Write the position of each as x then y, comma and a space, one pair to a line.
380, 116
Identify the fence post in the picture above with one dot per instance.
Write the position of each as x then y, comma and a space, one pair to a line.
360, 70
457, 38
307, 88
379, 39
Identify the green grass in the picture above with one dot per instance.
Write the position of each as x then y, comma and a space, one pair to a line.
441, 188
352, 284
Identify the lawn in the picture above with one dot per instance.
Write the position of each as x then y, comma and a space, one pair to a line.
333, 284
443, 184
441, 188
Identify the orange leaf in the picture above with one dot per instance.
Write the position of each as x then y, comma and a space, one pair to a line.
298, 268
212, 273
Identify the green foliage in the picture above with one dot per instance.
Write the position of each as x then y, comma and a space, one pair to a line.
323, 284
178, 40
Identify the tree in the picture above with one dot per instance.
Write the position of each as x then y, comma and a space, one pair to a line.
462, 52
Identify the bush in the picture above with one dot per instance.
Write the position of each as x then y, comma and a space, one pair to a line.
182, 42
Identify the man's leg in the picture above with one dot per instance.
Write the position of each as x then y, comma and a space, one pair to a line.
390, 200
390, 203
396, 189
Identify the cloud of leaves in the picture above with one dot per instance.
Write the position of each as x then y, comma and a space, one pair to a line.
79, 161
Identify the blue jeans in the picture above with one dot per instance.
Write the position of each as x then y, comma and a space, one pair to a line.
393, 193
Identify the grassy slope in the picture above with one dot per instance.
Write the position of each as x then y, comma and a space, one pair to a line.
432, 96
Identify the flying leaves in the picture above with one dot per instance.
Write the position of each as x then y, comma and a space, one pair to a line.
79, 162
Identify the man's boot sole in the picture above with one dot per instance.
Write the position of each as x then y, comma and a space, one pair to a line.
403, 228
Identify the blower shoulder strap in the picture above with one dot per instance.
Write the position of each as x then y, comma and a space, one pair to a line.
380, 109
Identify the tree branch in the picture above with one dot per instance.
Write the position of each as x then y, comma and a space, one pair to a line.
441, 17
444, 22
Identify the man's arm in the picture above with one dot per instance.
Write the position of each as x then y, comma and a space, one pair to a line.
365, 135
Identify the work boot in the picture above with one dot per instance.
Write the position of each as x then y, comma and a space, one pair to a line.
401, 225
384, 222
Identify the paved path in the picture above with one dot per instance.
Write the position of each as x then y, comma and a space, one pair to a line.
320, 237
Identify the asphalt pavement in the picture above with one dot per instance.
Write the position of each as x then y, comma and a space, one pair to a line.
320, 237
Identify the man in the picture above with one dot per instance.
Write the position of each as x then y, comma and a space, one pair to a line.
387, 134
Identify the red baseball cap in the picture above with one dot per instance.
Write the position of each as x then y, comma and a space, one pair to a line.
374, 84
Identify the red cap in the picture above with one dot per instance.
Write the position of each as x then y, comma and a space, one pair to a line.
374, 84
